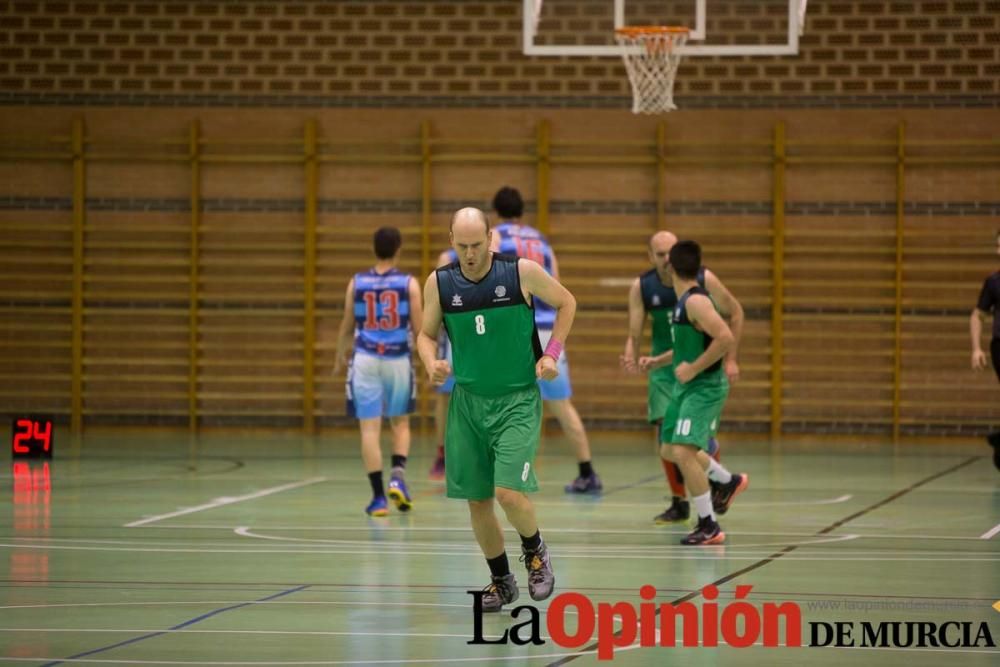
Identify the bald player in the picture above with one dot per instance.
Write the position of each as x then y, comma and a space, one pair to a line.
653, 294
495, 414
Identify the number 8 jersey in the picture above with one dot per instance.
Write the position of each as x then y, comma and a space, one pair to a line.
382, 313
491, 327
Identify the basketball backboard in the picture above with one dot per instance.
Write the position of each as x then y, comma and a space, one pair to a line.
718, 27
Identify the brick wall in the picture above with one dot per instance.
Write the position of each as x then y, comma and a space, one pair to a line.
468, 53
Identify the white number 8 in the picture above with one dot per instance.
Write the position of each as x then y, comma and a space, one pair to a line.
480, 325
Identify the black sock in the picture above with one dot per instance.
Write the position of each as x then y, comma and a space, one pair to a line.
532, 543
499, 567
398, 461
586, 470
375, 479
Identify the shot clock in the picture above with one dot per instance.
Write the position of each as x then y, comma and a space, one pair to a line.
31, 437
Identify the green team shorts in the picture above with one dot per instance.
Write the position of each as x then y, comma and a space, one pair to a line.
694, 411
659, 389
491, 441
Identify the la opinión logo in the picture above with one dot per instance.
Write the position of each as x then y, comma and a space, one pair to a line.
738, 624
620, 624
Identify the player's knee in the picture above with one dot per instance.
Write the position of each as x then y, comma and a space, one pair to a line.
682, 453
479, 507
508, 498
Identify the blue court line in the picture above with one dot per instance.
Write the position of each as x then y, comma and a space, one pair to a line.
185, 624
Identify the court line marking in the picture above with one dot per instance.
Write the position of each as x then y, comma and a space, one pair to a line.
427, 635
226, 500
989, 534
157, 633
245, 531
701, 554
589, 531
790, 548
597, 502
462, 548
398, 661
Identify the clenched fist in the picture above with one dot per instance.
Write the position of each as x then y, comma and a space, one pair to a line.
439, 372
546, 369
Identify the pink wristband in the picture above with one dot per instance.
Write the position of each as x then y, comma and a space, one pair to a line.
554, 349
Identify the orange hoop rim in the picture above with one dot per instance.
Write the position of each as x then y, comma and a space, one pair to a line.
651, 30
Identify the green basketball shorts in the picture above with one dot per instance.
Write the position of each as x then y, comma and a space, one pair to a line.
695, 410
491, 441
659, 390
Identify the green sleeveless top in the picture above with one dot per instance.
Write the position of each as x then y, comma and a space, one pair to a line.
689, 342
491, 327
659, 301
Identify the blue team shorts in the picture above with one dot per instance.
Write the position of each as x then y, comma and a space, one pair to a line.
552, 390
380, 386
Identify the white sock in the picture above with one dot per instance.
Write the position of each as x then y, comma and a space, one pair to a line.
703, 505
717, 473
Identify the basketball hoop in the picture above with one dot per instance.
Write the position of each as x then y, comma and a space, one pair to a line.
651, 60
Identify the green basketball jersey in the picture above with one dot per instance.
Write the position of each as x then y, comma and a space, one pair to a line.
659, 301
491, 327
689, 342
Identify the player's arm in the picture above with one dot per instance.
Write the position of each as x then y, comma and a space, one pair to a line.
539, 283
444, 259
416, 306
980, 314
976, 321
636, 315
437, 369
344, 338
701, 312
733, 310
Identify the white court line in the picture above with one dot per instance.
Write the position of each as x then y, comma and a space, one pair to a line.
408, 660
597, 502
718, 553
359, 527
219, 502
564, 549
989, 534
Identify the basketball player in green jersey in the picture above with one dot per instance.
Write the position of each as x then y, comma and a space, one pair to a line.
701, 338
495, 413
652, 293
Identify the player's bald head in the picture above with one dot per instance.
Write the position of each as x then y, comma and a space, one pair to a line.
662, 241
469, 220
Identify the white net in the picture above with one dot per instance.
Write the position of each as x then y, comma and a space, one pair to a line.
651, 60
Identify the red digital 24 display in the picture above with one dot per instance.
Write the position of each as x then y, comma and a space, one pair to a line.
31, 437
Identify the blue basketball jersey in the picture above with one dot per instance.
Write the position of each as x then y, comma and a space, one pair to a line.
382, 313
527, 242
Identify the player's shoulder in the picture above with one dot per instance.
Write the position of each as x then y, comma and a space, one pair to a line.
697, 296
